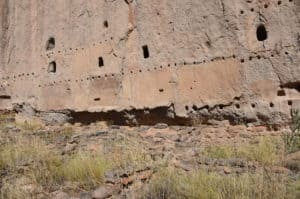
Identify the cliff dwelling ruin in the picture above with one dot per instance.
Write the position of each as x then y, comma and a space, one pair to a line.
172, 60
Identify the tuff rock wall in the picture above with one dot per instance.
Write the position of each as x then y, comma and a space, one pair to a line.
219, 58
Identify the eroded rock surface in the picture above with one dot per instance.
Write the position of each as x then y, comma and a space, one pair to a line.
214, 59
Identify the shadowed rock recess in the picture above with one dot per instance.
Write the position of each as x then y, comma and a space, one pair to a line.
140, 61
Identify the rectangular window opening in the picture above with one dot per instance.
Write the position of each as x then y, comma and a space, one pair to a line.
100, 62
146, 51
52, 67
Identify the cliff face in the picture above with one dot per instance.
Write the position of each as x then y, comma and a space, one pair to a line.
214, 58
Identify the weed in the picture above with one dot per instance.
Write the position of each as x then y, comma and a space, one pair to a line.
292, 139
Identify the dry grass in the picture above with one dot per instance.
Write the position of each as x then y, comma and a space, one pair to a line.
32, 126
85, 169
265, 150
20, 187
127, 152
32, 152
30, 158
200, 185
55, 136
5, 119
49, 168
67, 131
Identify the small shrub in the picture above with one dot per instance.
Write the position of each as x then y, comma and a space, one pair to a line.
292, 139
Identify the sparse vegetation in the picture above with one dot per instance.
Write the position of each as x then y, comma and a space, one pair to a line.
292, 138
86, 169
170, 183
5, 119
265, 150
47, 167
220, 152
33, 152
35, 160
31, 126
126, 152
15, 189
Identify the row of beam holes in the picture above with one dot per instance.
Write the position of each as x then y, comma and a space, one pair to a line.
265, 6
253, 105
146, 54
237, 106
78, 80
259, 57
52, 65
76, 49
261, 34
16, 76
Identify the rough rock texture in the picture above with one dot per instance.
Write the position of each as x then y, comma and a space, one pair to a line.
221, 59
140, 152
